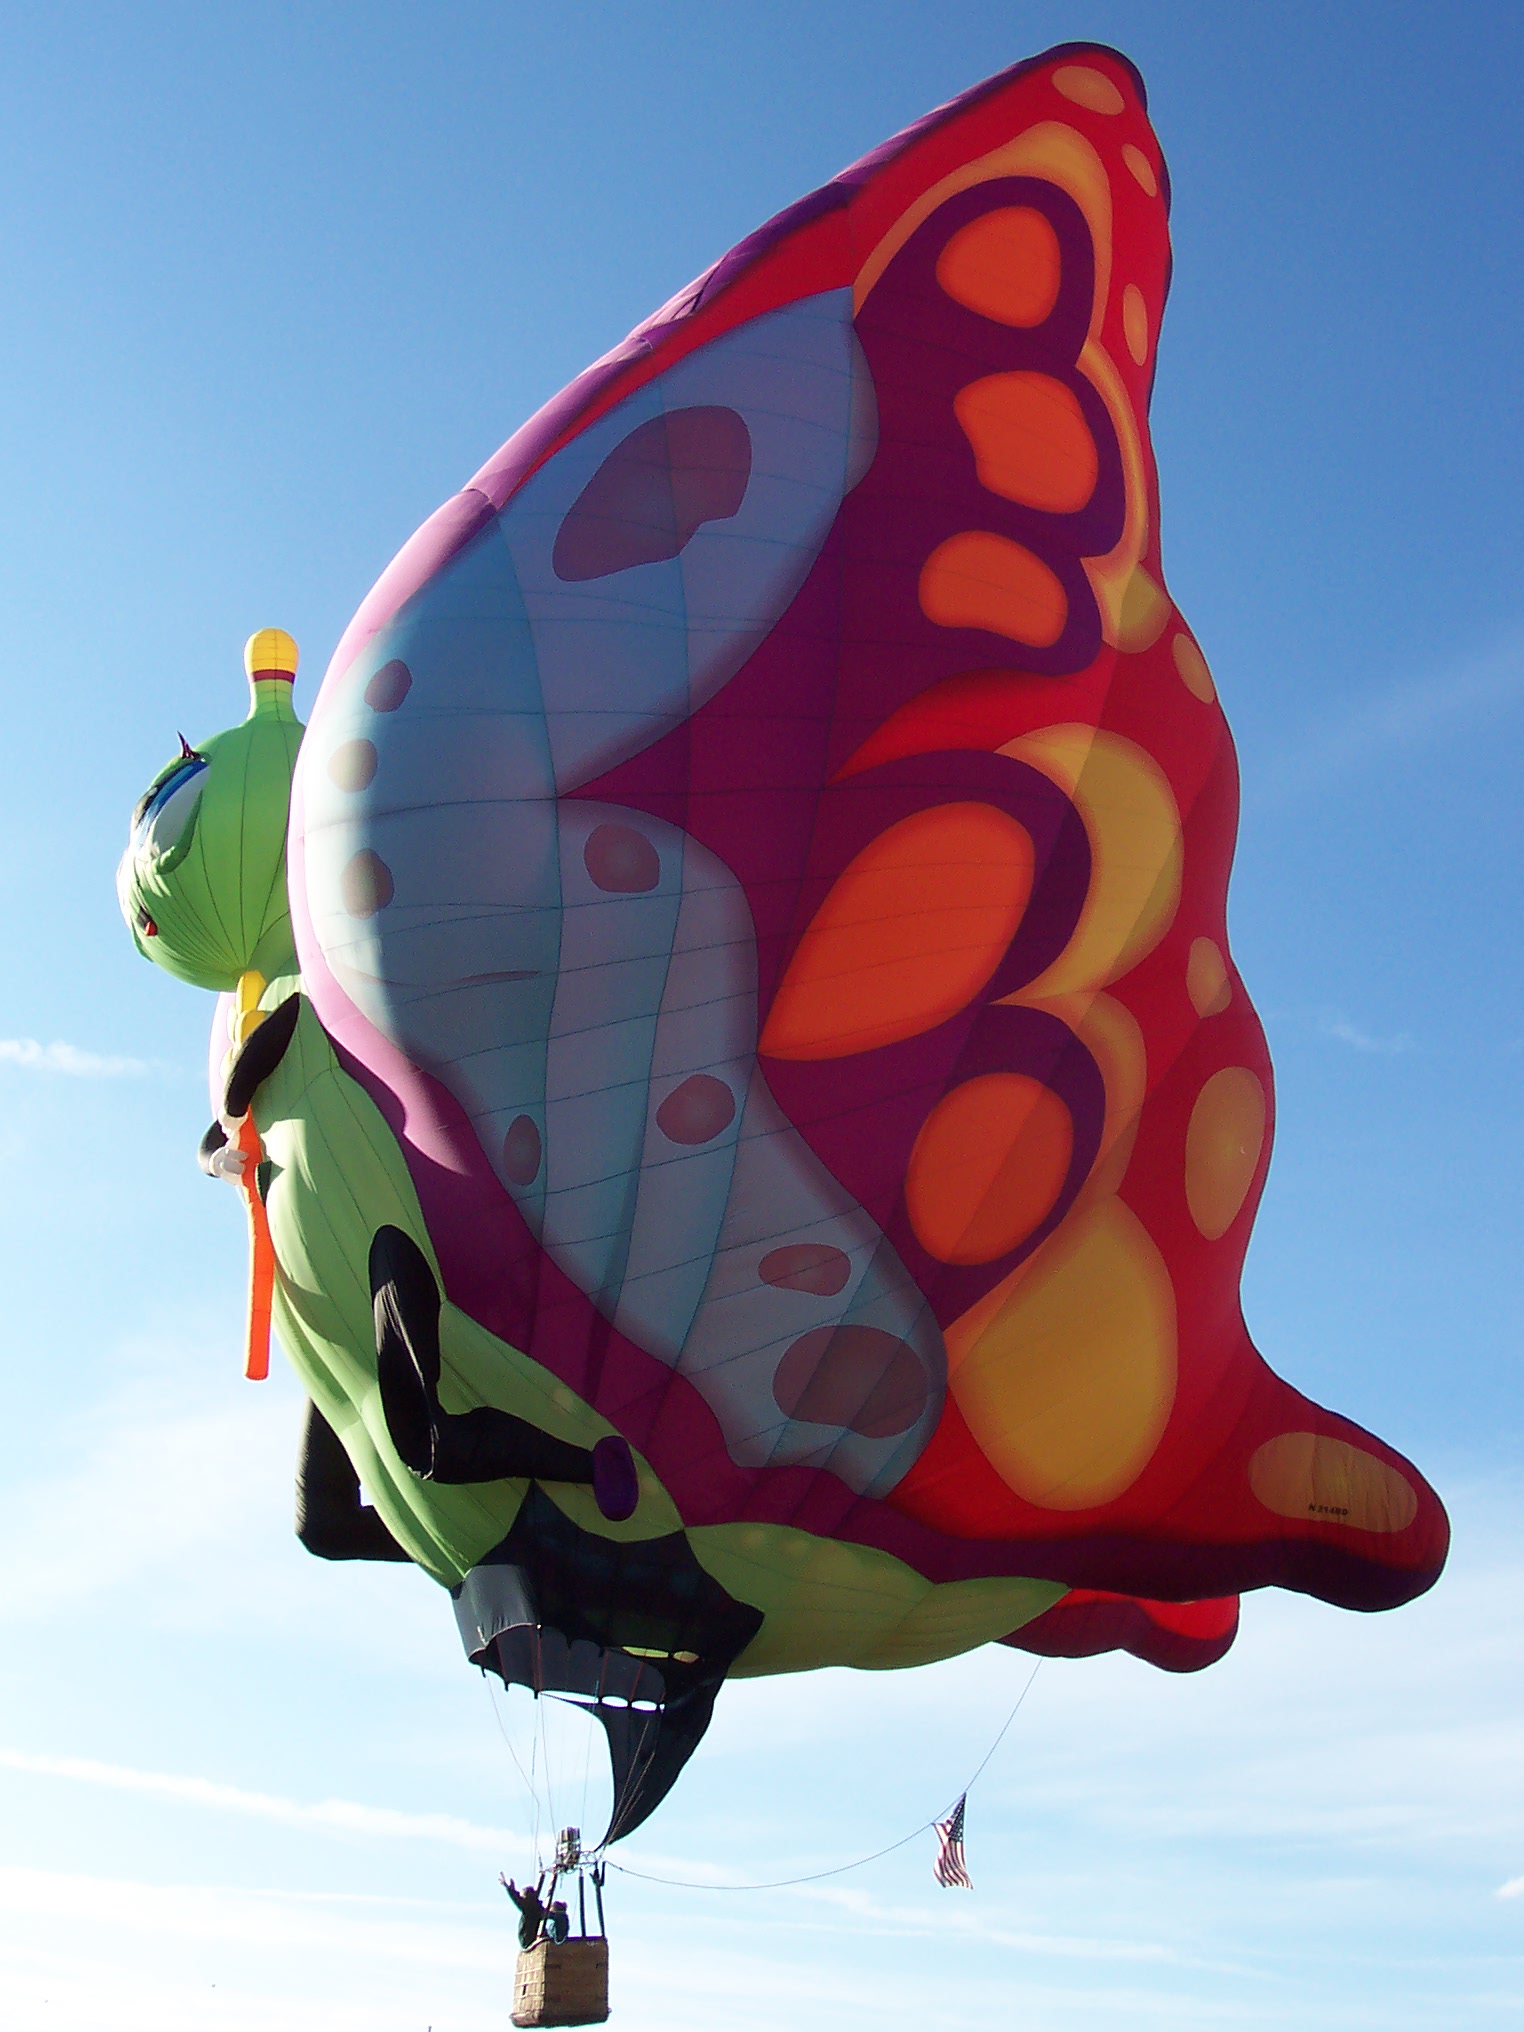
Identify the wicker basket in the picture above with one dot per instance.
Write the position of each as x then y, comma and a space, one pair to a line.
562, 1983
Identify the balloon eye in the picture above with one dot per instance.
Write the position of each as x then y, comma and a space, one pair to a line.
165, 813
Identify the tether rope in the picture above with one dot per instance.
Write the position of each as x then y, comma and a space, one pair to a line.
840, 1869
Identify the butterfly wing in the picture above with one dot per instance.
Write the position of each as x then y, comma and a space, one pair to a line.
765, 845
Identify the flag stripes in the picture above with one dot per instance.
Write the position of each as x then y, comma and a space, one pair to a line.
950, 1867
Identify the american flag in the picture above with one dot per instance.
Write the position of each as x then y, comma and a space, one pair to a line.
950, 1869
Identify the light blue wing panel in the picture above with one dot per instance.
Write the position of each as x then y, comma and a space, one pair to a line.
627, 654
582, 977
433, 865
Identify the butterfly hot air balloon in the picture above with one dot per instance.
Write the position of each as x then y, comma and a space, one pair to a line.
751, 1126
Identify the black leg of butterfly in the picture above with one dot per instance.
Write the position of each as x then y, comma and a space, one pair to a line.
258, 1056
332, 1521
484, 1445
255, 1060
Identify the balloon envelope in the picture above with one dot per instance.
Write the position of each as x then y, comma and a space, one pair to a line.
759, 867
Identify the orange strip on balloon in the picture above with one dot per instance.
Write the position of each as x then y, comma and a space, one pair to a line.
256, 1361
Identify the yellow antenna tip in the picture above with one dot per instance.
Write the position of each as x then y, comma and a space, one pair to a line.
270, 652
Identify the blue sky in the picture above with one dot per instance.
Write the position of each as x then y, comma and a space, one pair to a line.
274, 285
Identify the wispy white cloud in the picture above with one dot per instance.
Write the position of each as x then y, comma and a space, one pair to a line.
971, 1923
158, 1470
1358, 1039
1341, 1029
31, 1056
281, 1956
328, 1816
166, 1504
1405, 716
195, 1956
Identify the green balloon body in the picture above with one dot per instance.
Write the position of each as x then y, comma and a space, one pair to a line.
206, 871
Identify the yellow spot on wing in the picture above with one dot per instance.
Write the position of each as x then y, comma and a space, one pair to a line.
1067, 1384
1191, 665
1142, 169
1144, 612
1133, 827
1114, 1039
1309, 1475
1222, 1148
1206, 978
1088, 87
1111, 576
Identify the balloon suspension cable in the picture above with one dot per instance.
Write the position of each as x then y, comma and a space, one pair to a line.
550, 1798
528, 1776
587, 1768
840, 1869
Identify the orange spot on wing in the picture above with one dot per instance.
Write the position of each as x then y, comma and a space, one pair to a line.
1065, 1373
910, 932
1005, 265
990, 1161
1135, 323
1142, 169
979, 580
1030, 440
1085, 86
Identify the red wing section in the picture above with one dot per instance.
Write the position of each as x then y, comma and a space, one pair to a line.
993, 953
1175, 1636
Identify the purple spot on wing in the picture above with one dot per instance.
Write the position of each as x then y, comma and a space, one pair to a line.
521, 1151
814, 1267
366, 884
858, 1377
353, 765
389, 687
654, 491
696, 1111
621, 860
